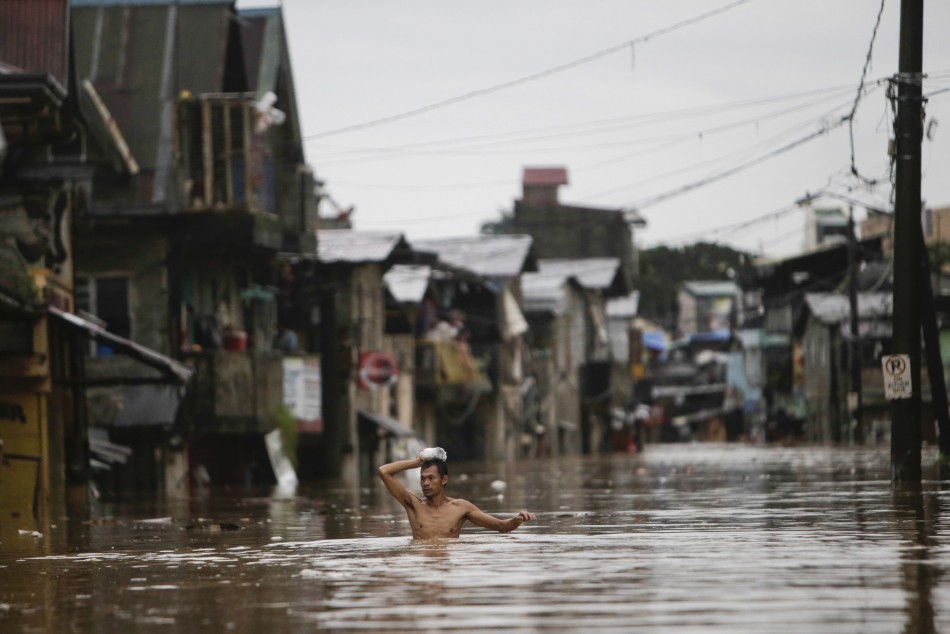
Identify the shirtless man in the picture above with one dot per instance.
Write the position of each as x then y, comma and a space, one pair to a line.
438, 516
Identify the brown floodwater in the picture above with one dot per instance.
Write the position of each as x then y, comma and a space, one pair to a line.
682, 538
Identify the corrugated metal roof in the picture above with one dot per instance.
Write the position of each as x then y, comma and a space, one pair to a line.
139, 3
832, 308
544, 293
712, 288
498, 256
140, 56
624, 307
267, 60
33, 36
174, 369
263, 45
591, 273
408, 282
347, 245
545, 176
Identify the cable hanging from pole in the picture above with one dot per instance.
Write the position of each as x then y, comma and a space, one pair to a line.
528, 78
857, 98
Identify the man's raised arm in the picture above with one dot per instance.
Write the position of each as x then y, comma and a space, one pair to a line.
387, 474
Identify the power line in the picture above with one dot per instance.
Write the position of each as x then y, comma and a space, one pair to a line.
857, 98
652, 200
489, 147
763, 144
664, 141
528, 78
584, 128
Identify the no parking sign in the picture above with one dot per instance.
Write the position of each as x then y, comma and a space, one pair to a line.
897, 383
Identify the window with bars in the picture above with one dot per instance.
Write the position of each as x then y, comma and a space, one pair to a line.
107, 300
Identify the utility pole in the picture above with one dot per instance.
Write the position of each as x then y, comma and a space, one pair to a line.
854, 399
905, 413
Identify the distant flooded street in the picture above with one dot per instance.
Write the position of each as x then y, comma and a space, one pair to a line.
682, 538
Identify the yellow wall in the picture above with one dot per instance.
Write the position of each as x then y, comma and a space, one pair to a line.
24, 481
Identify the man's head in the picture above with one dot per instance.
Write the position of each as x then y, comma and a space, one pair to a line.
433, 476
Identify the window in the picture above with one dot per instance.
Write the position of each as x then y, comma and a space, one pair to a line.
107, 299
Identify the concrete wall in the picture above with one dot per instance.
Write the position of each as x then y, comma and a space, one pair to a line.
818, 351
141, 256
403, 349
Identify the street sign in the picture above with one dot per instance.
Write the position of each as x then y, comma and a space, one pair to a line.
897, 383
377, 369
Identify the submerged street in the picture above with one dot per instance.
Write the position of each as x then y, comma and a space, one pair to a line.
684, 538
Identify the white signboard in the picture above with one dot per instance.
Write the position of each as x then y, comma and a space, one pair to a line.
897, 383
303, 393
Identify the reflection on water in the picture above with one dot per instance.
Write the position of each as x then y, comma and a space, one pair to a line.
684, 538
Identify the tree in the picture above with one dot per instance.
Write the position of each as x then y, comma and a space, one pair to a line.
663, 269
503, 225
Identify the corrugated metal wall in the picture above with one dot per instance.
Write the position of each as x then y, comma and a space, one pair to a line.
33, 36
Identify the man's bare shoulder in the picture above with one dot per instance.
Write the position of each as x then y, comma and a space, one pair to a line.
462, 504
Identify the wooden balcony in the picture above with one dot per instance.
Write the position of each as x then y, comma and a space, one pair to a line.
447, 364
225, 164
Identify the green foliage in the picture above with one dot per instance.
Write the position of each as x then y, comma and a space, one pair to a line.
663, 269
288, 432
939, 255
505, 224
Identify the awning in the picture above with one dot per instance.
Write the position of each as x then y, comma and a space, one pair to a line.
174, 369
388, 425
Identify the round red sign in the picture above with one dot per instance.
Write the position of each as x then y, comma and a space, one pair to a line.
377, 369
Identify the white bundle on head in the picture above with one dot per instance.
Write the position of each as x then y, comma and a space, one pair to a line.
433, 453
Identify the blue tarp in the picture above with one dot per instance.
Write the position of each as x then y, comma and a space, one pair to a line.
655, 340
723, 334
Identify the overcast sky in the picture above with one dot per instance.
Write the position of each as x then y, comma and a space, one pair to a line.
633, 127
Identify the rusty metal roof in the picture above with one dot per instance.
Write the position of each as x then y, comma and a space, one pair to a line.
140, 55
139, 3
355, 247
497, 256
33, 37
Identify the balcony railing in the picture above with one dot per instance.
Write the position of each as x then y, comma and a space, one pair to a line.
226, 164
447, 363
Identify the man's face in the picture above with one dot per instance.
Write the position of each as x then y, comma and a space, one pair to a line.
432, 483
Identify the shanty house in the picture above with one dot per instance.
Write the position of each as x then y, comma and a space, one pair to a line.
182, 256
360, 365
577, 386
485, 424
56, 137
823, 328
707, 306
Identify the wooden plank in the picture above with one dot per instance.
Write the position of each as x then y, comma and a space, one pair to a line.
248, 159
207, 155
228, 175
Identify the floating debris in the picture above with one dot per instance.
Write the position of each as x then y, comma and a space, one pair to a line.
213, 527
